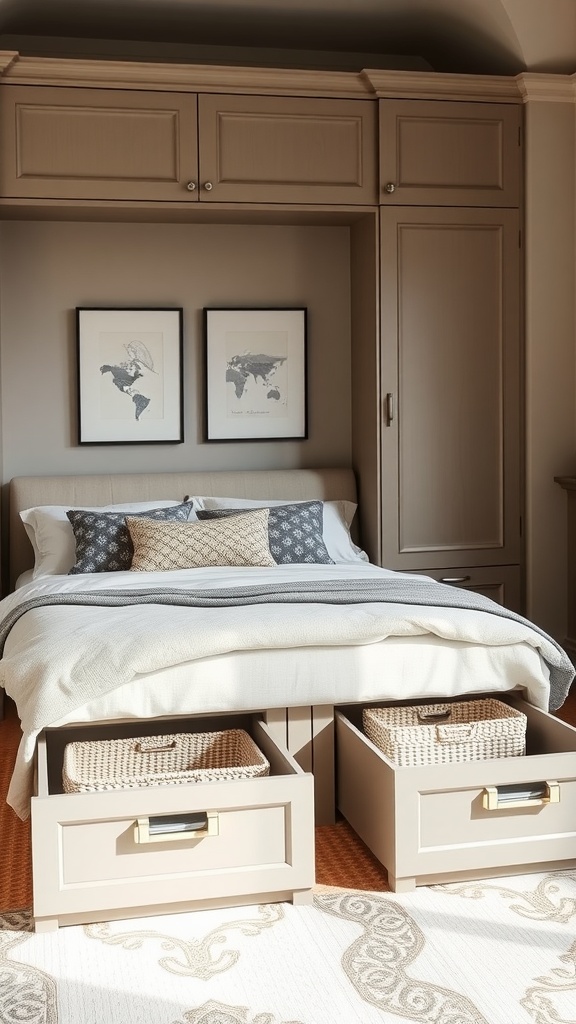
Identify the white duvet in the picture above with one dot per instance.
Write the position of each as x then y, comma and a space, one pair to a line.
65, 664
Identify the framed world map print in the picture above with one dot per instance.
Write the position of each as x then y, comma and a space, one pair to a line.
129, 365
256, 380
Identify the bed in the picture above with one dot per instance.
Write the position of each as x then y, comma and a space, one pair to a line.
289, 639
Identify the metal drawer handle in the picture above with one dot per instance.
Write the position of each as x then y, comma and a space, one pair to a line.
176, 828
455, 579
535, 794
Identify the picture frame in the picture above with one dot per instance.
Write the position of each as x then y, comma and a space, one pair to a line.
129, 368
256, 374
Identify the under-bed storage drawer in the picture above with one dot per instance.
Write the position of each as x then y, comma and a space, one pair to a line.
440, 823
105, 855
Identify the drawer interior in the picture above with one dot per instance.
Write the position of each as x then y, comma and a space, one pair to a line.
56, 739
545, 734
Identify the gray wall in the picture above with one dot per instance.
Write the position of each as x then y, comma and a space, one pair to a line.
47, 269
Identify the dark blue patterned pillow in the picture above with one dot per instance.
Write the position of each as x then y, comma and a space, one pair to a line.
294, 531
103, 543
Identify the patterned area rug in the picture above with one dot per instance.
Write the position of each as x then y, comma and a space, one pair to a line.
498, 952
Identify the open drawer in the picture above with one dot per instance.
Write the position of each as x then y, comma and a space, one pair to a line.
115, 854
446, 822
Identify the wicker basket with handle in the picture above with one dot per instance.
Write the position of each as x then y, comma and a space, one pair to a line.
471, 730
98, 765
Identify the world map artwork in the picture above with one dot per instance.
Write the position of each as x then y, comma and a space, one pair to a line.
256, 376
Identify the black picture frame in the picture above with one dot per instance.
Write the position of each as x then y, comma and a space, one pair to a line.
256, 374
129, 375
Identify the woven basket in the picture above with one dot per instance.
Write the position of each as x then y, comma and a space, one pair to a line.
98, 765
472, 730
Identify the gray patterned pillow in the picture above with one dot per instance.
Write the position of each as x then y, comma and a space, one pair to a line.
103, 543
294, 531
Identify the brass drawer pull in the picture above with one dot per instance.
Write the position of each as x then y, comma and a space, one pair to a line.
536, 794
176, 828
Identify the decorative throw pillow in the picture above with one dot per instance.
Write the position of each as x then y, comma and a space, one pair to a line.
294, 531
162, 546
52, 537
337, 517
103, 543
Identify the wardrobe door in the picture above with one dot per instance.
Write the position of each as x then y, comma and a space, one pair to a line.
450, 384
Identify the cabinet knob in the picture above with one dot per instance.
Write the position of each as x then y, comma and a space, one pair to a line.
208, 186
191, 186
390, 187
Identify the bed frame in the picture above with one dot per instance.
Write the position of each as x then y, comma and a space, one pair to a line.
307, 732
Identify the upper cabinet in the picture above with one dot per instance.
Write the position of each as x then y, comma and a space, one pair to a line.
68, 143
442, 153
274, 149
83, 143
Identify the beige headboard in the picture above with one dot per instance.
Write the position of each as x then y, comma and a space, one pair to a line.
107, 489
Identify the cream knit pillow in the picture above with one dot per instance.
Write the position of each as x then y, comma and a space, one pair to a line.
239, 540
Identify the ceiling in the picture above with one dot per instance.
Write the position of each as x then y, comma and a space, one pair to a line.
473, 36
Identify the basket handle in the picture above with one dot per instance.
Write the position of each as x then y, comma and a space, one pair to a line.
458, 732
171, 828
434, 715
159, 748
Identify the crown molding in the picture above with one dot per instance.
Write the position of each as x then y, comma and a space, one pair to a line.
7, 58
112, 74
433, 85
547, 88
385, 84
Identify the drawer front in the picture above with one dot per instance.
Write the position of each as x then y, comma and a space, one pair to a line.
87, 859
432, 820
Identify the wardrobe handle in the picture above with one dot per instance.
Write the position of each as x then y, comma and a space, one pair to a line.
455, 579
389, 408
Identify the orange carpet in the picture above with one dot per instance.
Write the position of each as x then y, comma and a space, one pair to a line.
342, 859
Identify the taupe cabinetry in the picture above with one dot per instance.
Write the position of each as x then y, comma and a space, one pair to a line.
449, 153
67, 143
450, 387
501, 583
78, 143
272, 149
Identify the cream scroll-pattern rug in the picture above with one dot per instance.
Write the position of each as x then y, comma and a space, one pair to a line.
488, 952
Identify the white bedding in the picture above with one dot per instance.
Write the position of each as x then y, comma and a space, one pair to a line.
65, 664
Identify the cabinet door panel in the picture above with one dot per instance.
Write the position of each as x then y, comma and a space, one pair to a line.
452, 154
285, 149
451, 358
61, 143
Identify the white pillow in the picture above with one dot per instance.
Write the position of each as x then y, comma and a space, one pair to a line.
336, 520
52, 537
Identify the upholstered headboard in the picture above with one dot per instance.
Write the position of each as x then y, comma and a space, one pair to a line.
107, 489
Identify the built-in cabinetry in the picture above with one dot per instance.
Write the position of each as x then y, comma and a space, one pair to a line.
435, 257
442, 153
68, 143
450, 362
